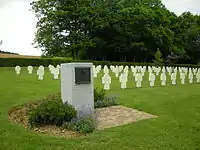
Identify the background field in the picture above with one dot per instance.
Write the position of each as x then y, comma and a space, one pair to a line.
2, 55
178, 108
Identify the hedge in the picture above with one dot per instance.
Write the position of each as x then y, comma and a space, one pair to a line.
23, 62
12, 62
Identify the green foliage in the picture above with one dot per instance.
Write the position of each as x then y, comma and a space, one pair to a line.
99, 95
12, 62
82, 125
63, 26
51, 112
158, 58
115, 30
101, 100
106, 102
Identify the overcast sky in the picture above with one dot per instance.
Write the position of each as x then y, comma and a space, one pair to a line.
17, 23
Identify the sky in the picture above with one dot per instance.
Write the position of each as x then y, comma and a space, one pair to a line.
18, 23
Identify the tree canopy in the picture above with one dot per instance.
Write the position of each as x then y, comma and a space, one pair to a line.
116, 30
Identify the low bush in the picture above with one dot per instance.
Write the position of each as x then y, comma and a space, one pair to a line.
99, 94
51, 112
106, 102
82, 125
53, 97
101, 100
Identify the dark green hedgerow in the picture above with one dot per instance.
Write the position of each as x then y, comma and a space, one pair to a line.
12, 62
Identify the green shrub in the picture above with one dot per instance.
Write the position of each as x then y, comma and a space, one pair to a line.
45, 61
53, 97
158, 58
101, 100
106, 102
12, 62
82, 125
51, 112
99, 95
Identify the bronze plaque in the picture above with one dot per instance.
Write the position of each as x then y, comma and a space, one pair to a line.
82, 75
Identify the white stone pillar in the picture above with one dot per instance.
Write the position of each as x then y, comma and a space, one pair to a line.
77, 86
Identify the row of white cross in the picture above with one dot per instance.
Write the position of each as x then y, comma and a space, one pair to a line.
55, 71
142, 69
138, 73
121, 72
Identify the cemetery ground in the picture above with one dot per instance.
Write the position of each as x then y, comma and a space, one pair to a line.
176, 127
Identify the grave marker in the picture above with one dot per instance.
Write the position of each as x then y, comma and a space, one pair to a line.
163, 78
138, 79
152, 79
55, 72
182, 77
190, 77
198, 77
30, 69
17, 70
106, 81
123, 80
40, 73
173, 78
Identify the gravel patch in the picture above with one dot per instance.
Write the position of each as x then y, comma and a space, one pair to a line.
119, 115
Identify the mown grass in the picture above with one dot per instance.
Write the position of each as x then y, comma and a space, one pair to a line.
177, 127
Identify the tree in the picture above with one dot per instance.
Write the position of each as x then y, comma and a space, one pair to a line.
63, 26
158, 61
192, 38
116, 30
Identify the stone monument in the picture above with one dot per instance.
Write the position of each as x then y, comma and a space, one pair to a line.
77, 86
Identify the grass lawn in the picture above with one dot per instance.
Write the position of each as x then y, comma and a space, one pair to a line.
177, 127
